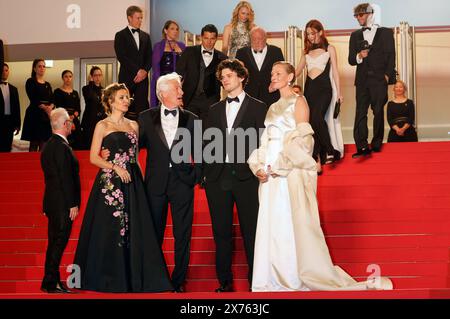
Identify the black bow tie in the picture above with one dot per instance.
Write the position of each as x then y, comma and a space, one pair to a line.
256, 52
366, 28
207, 52
135, 30
232, 99
3, 82
167, 112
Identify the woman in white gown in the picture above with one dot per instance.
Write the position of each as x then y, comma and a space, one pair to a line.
290, 249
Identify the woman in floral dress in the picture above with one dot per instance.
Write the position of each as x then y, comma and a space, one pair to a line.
117, 248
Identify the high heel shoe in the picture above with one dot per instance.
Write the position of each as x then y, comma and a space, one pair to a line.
329, 159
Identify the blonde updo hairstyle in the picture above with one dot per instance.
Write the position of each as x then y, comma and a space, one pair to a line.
109, 94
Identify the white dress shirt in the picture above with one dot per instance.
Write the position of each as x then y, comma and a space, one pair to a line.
231, 110
259, 57
63, 137
135, 36
6, 97
169, 124
368, 35
207, 58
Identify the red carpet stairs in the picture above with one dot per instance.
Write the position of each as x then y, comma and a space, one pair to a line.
391, 209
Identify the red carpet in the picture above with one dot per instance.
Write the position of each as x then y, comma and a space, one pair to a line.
392, 209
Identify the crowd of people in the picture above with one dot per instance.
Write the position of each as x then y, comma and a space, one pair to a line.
273, 185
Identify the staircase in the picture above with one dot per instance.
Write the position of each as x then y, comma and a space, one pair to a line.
391, 209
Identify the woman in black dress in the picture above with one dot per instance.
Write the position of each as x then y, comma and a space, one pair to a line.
401, 115
66, 97
93, 111
117, 248
36, 124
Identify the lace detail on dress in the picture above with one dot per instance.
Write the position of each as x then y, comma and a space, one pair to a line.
239, 38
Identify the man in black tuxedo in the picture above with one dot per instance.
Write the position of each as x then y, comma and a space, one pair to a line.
9, 111
2, 55
134, 51
258, 59
197, 66
168, 178
372, 50
62, 196
227, 177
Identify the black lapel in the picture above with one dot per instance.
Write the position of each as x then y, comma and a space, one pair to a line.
241, 112
251, 58
360, 35
266, 59
156, 117
182, 122
131, 38
223, 114
377, 36
141, 40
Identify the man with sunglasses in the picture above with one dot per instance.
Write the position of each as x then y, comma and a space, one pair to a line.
372, 50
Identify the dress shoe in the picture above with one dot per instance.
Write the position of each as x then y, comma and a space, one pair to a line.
63, 288
179, 289
376, 149
225, 288
55, 290
362, 152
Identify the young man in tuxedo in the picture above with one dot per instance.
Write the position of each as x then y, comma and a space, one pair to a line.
372, 50
134, 51
169, 180
197, 66
9, 111
229, 180
62, 196
258, 59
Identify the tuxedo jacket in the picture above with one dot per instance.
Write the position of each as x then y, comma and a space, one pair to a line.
131, 59
250, 115
381, 58
61, 173
15, 105
259, 80
151, 137
188, 66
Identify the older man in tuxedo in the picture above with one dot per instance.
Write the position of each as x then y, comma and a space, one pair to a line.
9, 111
62, 196
134, 51
372, 50
258, 59
197, 66
169, 177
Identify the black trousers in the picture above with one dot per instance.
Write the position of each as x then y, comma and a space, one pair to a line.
6, 133
200, 105
181, 199
139, 93
59, 228
222, 194
374, 95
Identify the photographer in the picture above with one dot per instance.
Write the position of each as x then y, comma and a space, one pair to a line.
372, 50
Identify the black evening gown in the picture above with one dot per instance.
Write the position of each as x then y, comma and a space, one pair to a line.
71, 102
399, 114
117, 249
93, 112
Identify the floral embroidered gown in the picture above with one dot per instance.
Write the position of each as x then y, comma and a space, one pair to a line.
117, 248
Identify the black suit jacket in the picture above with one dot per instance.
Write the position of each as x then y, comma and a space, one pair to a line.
151, 137
252, 114
15, 105
259, 80
381, 58
188, 66
61, 173
131, 59
2, 56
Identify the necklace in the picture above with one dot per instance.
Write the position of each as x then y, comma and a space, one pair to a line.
116, 122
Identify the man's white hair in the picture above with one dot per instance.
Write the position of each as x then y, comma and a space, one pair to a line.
58, 117
162, 85
258, 29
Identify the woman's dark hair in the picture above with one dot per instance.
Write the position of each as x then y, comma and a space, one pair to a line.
64, 73
109, 94
323, 43
93, 69
167, 25
234, 65
35, 63
210, 28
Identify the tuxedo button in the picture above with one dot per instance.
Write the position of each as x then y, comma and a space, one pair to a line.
233, 172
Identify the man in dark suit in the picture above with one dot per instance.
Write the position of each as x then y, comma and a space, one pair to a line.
62, 196
372, 50
227, 177
170, 174
258, 59
9, 111
2, 55
134, 51
197, 66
